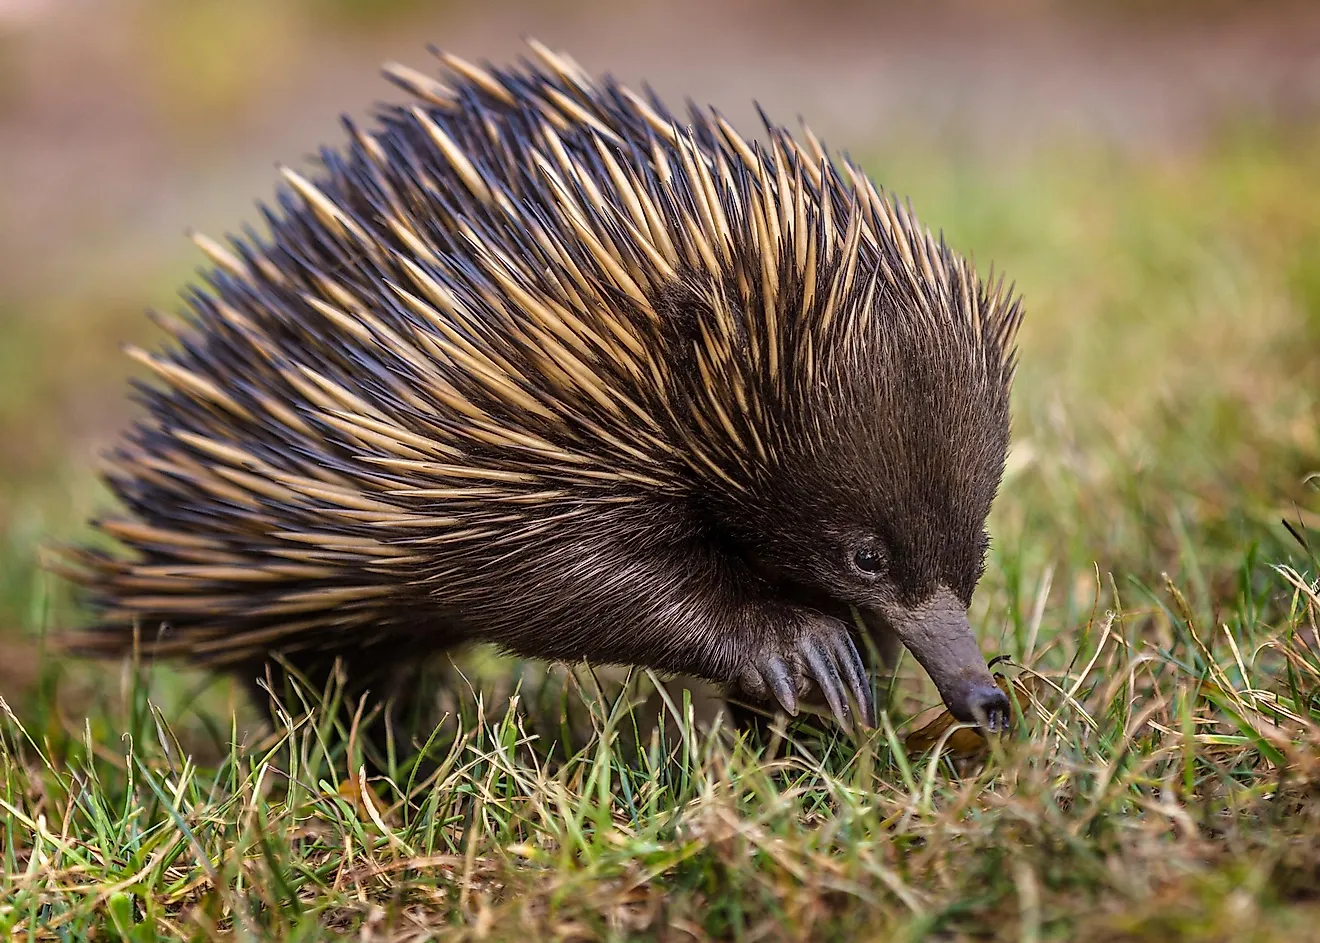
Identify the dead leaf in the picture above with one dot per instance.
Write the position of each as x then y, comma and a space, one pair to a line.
967, 742
351, 792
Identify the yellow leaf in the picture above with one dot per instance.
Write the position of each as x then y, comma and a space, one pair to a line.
932, 724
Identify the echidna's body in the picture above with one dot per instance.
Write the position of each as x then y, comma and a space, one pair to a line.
536, 364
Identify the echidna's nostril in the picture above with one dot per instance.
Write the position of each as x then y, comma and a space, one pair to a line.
988, 706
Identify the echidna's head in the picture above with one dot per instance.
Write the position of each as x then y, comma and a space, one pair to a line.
887, 465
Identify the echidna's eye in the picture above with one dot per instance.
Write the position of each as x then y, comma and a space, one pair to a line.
868, 559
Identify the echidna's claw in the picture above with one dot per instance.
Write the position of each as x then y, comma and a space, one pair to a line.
832, 659
779, 679
826, 673
854, 672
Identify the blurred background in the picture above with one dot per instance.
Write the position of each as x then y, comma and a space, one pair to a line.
1148, 172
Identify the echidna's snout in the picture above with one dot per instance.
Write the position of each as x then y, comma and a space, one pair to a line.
986, 705
938, 635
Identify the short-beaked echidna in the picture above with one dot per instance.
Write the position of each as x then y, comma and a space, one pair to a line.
534, 362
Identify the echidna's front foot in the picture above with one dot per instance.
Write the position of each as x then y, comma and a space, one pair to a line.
822, 651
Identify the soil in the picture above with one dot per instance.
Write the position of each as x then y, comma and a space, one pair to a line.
98, 173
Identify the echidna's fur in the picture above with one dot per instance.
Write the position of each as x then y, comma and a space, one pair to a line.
536, 363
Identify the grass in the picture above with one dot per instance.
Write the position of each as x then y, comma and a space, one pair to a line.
1157, 618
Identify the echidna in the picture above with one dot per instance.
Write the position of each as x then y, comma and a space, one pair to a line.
534, 362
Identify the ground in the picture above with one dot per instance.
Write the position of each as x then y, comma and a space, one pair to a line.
1151, 589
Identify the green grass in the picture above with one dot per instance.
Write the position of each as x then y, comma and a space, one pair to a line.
1160, 620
